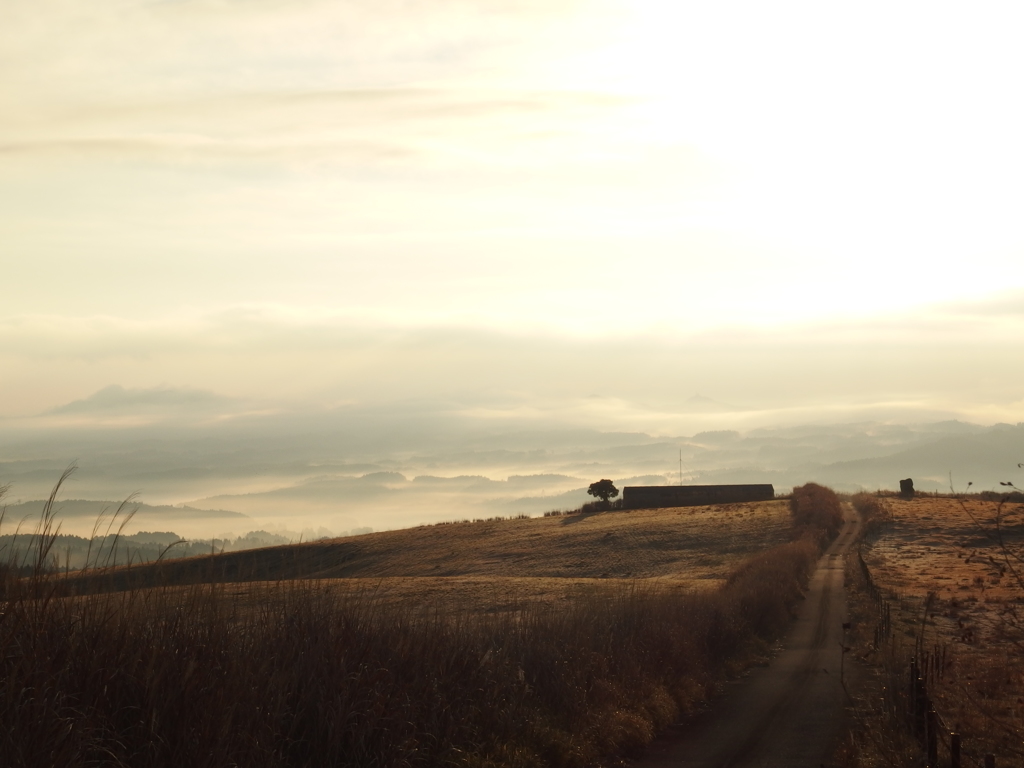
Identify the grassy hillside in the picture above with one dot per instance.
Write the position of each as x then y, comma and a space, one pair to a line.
984, 459
691, 546
289, 670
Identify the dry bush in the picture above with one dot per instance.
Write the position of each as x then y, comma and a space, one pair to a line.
873, 510
591, 507
869, 505
767, 585
1015, 496
816, 508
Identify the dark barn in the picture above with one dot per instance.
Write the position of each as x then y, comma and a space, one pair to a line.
655, 496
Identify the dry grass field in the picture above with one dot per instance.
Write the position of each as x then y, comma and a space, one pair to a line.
509, 563
560, 641
948, 565
691, 543
948, 546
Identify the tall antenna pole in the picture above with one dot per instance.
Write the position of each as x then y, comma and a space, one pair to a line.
680, 466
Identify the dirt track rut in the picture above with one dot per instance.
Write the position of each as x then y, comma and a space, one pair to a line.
790, 712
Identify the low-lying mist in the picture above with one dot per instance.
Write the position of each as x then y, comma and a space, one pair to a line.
347, 470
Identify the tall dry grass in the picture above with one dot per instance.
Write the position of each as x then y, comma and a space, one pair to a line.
297, 675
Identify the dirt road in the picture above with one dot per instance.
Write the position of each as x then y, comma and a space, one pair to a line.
788, 713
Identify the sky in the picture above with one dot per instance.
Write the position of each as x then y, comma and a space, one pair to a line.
570, 212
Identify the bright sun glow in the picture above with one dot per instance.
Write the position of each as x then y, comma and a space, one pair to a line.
594, 169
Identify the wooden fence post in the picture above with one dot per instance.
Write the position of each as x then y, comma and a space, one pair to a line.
954, 750
922, 706
933, 739
912, 699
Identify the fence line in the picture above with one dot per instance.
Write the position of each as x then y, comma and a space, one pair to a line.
927, 666
883, 626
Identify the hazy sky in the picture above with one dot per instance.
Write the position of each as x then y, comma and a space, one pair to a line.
588, 209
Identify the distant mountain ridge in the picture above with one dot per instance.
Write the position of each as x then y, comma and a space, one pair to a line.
983, 459
79, 515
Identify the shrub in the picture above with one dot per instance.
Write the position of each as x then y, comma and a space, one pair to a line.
1011, 496
873, 509
816, 508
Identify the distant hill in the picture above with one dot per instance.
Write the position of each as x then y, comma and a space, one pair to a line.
77, 552
313, 479
984, 459
79, 514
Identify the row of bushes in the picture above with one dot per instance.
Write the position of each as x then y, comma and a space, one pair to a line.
496, 519
588, 508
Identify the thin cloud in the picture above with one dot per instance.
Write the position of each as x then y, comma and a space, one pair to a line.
399, 102
375, 125
116, 399
205, 148
1009, 304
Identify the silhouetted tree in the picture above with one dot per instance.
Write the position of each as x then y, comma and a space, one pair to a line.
603, 489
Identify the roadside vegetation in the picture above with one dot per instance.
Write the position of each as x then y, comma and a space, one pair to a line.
944, 571
816, 511
299, 674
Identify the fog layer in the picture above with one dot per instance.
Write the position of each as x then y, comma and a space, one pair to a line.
501, 427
